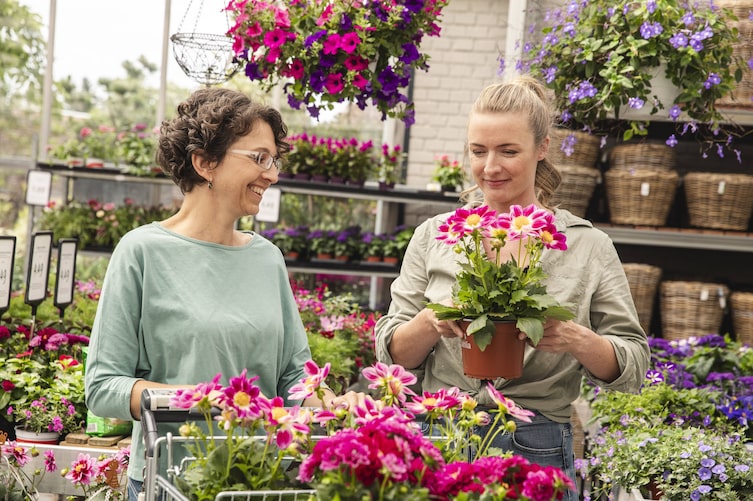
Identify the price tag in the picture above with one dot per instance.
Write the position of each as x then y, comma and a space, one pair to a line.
722, 298
7, 255
39, 266
38, 185
269, 209
722, 186
645, 189
704, 294
66, 272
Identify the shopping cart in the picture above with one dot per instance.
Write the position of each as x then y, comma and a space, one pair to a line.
160, 485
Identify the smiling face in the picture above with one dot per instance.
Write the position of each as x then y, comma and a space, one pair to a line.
503, 157
239, 182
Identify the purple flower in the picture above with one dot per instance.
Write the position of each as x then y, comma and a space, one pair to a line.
678, 40
671, 141
410, 53
674, 112
650, 30
636, 103
713, 79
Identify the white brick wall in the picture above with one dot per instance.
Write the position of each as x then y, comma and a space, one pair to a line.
463, 60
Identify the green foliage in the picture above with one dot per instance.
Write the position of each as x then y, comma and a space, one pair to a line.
448, 173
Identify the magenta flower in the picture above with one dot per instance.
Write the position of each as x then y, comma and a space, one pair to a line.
49, 461
310, 384
82, 470
242, 397
393, 380
507, 406
15, 453
205, 393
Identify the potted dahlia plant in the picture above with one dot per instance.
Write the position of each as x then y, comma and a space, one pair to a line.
448, 173
326, 53
488, 291
604, 62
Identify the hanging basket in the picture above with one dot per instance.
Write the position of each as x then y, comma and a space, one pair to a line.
205, 57
719, 200
692, 308
577, 186
742, 316
643, 280
585, 148
644, 155
740, 97
640, 197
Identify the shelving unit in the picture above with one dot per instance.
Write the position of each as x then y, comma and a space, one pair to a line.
369, 191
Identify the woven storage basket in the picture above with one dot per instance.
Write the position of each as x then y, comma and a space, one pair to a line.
576, 188
743, 49
640, 196
643, 280
585, 150
717, 200
644, 155
742, 316
692, 308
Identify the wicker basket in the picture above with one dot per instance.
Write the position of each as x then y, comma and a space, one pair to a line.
717, 200
742, 316
743, 49
576, 189
641, 196
692, 308
643, 280
645, 155
585, 150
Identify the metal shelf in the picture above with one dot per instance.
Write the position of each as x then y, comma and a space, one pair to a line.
340, 268
680, 238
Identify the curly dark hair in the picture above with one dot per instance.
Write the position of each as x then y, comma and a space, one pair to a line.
208, 122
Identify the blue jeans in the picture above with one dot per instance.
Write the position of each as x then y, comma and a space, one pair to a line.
134, 487
542, 441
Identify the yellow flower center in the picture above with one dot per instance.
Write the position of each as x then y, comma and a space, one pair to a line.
521, 222
241, 399
430, 402
473, 220
279, 413
546, 237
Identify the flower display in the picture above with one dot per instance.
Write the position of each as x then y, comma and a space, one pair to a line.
343, 158
603, 60
322, 242
91, 143
101, 477
488, 289
330, 52
339, 332
448, 173
373, 451
97, 224
136, 149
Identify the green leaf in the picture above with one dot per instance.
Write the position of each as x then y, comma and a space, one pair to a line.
533, 328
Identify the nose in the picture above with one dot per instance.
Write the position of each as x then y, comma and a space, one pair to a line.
491, 161
272, 175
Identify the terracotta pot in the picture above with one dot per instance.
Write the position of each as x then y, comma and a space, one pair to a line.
293, 255
31, 437
390, 259
320, 178
502, 358
373, 259
324, 255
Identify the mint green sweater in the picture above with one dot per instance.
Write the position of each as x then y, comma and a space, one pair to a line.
178, 311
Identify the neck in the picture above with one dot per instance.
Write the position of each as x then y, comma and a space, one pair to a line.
205, 222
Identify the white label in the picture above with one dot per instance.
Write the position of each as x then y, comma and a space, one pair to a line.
269, 209
704, 294
645, 189
38, 185
7, 250
39, 265
722, 298
722, 186
66, 270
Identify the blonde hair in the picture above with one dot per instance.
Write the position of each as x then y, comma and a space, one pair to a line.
523, 95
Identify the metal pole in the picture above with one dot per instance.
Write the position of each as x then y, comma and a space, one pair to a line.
162, 102
44, 131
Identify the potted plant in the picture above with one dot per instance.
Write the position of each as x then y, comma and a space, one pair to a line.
136, 149
389, 169
448, 173
604, 61
488, 291
348, 244
292, 241
372, 247
328, 53
322, 243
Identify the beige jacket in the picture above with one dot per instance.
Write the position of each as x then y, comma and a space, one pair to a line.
588, 275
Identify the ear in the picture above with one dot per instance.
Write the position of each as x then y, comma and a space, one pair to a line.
202, 165
543, 149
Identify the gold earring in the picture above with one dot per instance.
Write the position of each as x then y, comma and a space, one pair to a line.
211, 185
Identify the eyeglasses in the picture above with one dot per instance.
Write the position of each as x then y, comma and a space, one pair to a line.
262, 158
